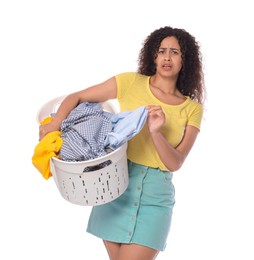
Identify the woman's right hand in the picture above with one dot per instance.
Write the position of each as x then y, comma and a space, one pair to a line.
47, 128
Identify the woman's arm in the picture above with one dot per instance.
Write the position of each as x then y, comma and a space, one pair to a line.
97, 93
173, 158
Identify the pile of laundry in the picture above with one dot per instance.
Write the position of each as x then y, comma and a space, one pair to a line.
87, 133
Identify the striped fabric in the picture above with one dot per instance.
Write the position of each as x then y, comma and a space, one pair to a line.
84, 132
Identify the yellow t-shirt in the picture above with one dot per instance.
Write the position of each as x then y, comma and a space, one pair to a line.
133, 91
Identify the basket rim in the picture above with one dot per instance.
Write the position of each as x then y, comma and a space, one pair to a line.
96, 160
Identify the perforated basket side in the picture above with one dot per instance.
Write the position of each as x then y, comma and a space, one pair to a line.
95, 187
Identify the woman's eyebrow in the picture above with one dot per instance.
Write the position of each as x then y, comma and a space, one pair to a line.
164, 48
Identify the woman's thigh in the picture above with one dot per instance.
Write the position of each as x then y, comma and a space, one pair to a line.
112, 249
136, 252
118, 251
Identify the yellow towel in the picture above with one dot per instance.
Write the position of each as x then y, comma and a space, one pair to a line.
48, 147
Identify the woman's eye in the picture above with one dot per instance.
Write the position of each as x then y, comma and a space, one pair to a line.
173, 52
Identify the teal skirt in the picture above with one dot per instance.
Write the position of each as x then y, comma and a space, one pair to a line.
142, 214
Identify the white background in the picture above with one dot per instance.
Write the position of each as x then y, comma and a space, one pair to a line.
50, 48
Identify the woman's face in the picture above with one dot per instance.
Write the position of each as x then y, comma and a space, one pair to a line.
169, 58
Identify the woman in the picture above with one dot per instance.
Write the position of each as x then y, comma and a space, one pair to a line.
169, 82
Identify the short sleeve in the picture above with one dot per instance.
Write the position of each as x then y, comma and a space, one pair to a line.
124, 81
196, 116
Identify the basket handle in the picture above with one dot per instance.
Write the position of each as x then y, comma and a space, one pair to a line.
97, 166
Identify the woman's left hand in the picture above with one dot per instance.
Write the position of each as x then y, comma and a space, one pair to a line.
156, 118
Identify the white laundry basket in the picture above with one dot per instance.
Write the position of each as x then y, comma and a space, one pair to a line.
89, 188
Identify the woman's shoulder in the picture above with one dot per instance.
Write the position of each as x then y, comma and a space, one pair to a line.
130, 77
194, 107
130, 74
193, 103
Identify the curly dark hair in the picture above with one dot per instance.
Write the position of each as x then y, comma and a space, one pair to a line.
191, 79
